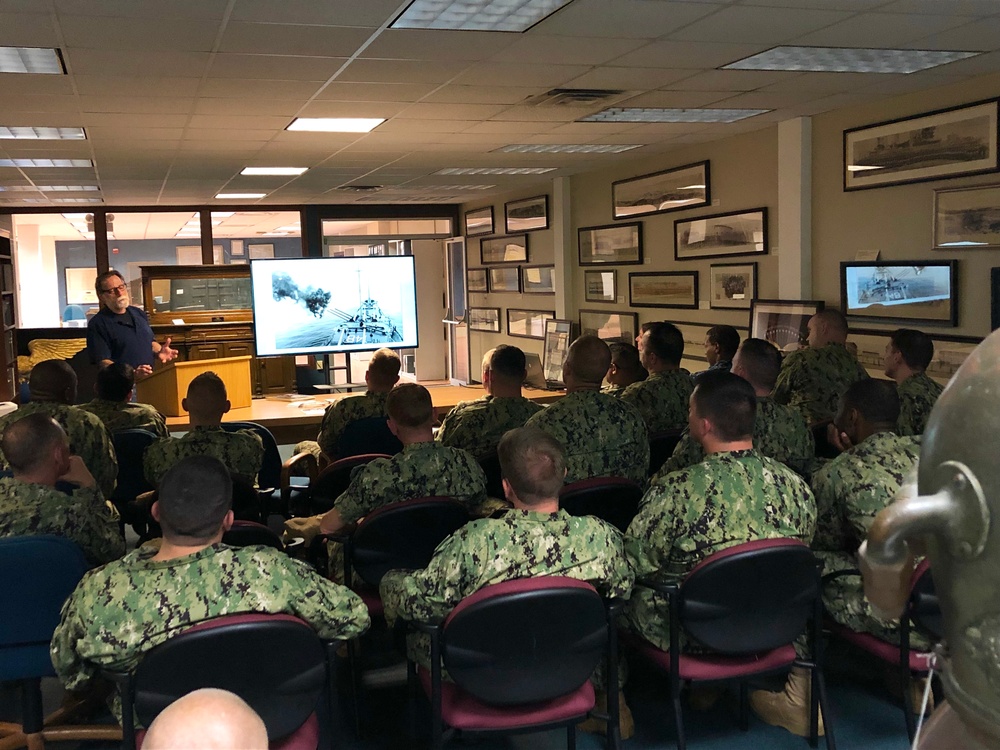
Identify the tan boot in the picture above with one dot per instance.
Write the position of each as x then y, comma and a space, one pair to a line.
789, 708
600, 726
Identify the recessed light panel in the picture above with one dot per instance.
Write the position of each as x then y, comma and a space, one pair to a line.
28, 163
647, 114
76, 200
30, 60
336, 124
281, 171
42, 134
476, 15
495, 170
567, 148
848, 60
238, 196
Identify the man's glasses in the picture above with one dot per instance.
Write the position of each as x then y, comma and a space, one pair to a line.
114, 290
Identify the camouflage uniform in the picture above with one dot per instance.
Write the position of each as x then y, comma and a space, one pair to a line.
87, 436
779, 432
602, 436
613, 390
120, 415
242, 452
723, 365
521, 544
662, 399
421, 470
28, 509
850, 490
729, 498
120, 611
917, 395
477, 426
341, 413
813, 380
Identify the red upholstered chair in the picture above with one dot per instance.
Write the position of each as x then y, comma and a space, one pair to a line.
276, 663
331, 482
612, 499
555, 632
923, 612
246, 533
745, 606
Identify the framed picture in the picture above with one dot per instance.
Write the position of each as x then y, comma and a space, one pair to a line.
484, 319
528, 215
733, 233
619, 244
932, 146
538, 279
994, 298
906, 291
236, 248
609, 325
785, 323
967, 217
663, 289
509, 249
669, 190
476, 280
732, 285
506, 279
265, 250
479, 221
79, 285
529, 324
600, 286
558, 337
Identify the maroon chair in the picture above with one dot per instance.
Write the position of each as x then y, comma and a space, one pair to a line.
555, 633
246, 533
744, 607
612, 499
923, 612
283, 681
334, 479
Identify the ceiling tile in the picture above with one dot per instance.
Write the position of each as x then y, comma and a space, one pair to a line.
757, 25
134, 121
934, 7
628, 19
626, 79
370, 13
403, 125
121, 134
686, 55
274, 67
558, 50
424, 111
27, 30
375, 92
104, 62
399, 71
30, 103
101, 86
430, 44
318, 108
731, 80
481, 94
187, 9
95, 32
879, 30
285, 108
514, 74
137, 104
978, 35
279, 38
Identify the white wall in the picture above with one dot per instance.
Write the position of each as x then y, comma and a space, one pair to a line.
35, 258
431, 355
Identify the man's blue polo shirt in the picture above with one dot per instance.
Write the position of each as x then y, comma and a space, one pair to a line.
120, 338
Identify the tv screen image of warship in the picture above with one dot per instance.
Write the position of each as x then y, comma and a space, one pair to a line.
896, 285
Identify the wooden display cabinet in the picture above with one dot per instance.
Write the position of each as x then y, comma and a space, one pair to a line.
206, 312
8, 298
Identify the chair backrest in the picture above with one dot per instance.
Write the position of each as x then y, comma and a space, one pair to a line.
246, 533
367, 435
335, 478
37, 575
129, 447
924, 608
494, 479
270, 467
525, 641
751, 597
403, 535
612, 499
276, 663
661, 447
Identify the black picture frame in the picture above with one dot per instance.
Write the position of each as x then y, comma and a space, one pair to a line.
610, 244
728, 285
526, 215
479, 221
652, 193
504, 280
783, 322
475, 280
882, 293
485, 319
545, 272
495, 250
593, 281
722, 235
678, 289
532, 320
994, 298
608, 321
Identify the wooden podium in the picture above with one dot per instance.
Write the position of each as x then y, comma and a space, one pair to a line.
166, 388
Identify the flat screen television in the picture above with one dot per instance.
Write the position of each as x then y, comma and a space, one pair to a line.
326, 305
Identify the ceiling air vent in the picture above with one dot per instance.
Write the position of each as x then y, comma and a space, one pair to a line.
573, 97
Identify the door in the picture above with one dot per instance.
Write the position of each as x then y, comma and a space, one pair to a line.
456, 327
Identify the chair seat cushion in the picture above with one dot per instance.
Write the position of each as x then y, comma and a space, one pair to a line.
887, 652
372, 600
306, 737
462, 711
710, 666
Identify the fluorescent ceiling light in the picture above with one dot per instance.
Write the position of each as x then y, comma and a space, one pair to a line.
41, 134
336, 124
567, 148
445, 188
76, 200
289, 228
862, 167
46, 163
251, 171
223, 214
476, 15
650, 114
238, 196
848, 60
496, 170
30, 60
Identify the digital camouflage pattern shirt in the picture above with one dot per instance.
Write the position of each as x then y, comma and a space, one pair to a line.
813, 380
477, 426
242, 452
520, 544
121, 415
662, 399
341, 413
602, 436
421, 470
88, 438
84, 517
779, 432
729, 498
853, 487
119, 612
917, 395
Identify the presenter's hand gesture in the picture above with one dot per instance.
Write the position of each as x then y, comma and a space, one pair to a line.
166, 353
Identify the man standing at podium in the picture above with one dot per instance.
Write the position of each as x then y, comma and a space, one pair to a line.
120, 332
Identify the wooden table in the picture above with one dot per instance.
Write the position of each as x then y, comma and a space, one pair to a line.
292, 421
